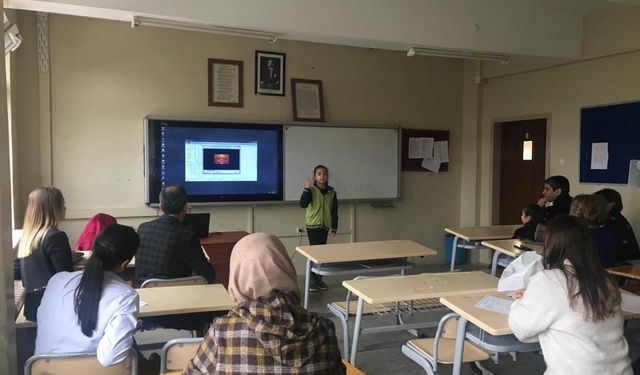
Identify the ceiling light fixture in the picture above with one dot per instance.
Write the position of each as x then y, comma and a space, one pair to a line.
137, 21
436, 52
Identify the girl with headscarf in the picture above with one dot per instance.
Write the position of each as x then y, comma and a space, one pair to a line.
267, 331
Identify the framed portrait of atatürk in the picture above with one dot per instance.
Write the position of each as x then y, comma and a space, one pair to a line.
270, 70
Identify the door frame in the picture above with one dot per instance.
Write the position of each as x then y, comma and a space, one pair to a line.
496, 153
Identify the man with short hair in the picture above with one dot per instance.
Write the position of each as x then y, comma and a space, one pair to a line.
168, 249
555, 198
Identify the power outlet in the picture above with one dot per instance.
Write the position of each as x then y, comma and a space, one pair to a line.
299, 230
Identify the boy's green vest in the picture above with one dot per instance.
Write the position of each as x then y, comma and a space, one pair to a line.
318, 213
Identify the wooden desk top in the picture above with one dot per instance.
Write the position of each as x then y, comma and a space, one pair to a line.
492, 232
509, 248
356, 251
223, 237
631, 272
465, 305
171, 300
426, 285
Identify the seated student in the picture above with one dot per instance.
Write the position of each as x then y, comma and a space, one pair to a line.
593, 210
44, 249
555, 197
626, 241
267, 331
93, 311
572, 307
94, 226
530, 216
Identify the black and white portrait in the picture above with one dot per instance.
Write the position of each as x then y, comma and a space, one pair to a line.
270, 73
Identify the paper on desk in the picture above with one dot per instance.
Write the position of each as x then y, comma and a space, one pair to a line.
495, 304
516, 275
420, 148
599, 155
630, 303
143, 303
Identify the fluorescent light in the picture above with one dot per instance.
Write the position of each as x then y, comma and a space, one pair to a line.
471, 55
137, 21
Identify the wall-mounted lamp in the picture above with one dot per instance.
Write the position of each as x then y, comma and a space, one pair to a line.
437, 52
137, 21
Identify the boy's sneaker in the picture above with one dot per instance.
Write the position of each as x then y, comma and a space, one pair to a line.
314, 288
322, 286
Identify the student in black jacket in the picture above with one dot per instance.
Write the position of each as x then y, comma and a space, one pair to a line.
530, 216
626, 241
44, 249
555, 198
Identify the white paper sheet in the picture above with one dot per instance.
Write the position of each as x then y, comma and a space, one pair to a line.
495, 304
431, 165
630, 303
634, 173
599, 155
441, 151
420, 148
143, 303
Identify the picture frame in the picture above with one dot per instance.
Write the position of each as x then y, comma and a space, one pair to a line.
270, 73
307, 99
225, 83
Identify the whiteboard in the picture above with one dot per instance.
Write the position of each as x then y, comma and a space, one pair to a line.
363, 162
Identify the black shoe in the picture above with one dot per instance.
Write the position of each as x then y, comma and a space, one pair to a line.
322, 286
314, 288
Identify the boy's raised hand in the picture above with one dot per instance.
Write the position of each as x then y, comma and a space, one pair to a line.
308, 182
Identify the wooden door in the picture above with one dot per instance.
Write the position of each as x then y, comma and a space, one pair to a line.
521, 180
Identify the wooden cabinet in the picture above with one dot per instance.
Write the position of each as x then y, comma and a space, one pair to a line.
218, 247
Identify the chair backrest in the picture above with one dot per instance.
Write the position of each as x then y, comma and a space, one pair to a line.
190, 280
83, 363
351, 369
177, 353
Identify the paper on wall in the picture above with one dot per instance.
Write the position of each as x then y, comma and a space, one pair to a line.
441, 151
495, 304
634, 173
516, 275
431, 164
599, 155
420, 148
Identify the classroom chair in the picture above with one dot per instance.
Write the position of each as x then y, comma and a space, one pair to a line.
189, 280
177, 353
498, 344
82, 363
429, 352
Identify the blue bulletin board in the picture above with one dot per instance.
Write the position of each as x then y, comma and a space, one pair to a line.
619, 126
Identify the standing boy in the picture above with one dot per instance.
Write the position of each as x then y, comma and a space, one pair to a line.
321, 216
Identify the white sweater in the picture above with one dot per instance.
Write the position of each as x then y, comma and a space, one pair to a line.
571, 345
60, 332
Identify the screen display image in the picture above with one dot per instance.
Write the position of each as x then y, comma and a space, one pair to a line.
214, 161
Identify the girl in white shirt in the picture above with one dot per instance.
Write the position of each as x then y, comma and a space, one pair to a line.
572, 306
93, 311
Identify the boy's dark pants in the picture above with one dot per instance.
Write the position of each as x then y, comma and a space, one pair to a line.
317, 236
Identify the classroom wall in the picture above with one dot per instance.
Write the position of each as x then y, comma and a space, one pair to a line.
608, 74
105, 77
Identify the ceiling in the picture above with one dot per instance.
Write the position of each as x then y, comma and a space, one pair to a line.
520, 29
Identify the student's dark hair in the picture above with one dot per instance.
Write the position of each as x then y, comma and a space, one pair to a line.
115, 244
535, 212
558, 182
320, 166
568, 239
612, 196
173, 199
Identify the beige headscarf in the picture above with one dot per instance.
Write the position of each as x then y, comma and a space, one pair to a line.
259, 265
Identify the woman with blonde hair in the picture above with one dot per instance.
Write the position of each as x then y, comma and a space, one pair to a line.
267, 331
593, 210
44, 249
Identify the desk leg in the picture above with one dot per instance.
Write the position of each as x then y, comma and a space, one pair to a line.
494, 263
459, 348
356, 331
307, 278
453, 252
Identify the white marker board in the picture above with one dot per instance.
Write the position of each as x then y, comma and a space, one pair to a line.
363, 162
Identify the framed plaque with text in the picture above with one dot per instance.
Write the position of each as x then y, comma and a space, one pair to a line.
225, 83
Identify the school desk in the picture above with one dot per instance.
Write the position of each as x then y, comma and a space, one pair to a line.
354, 257
473, 236
383, 290
512, 248
630, 272
170, 300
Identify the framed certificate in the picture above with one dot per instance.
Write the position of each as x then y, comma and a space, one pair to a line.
225, 83
307, 100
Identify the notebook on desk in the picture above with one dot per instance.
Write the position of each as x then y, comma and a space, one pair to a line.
199, 223
76, 256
